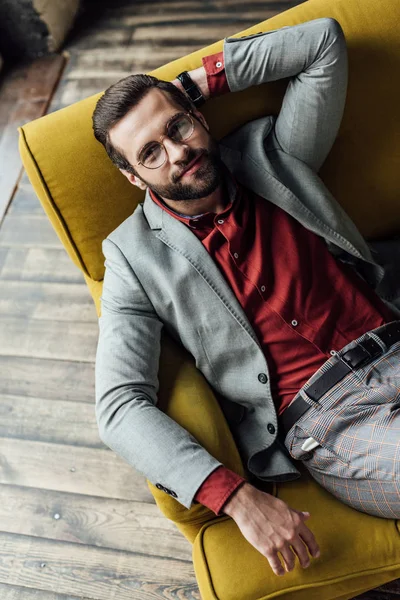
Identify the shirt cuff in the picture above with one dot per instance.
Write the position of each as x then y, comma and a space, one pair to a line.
214, 66
217, 489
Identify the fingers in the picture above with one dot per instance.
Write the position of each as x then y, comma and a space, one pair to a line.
289, 558
275, 563
298, 546
310, 541
301, 550
289, 553
308, 537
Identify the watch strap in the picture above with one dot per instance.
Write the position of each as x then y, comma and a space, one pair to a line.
191, 88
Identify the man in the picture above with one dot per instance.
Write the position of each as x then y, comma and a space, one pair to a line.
243, 255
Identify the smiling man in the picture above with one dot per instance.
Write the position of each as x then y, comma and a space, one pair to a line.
243, 255
187, 176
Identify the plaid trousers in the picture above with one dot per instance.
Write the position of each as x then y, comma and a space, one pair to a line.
356, 425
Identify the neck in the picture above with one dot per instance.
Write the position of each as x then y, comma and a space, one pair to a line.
215, 202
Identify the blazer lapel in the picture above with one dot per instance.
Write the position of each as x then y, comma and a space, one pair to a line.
332, 222
178, 236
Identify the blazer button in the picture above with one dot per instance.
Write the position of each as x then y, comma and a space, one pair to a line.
173, 494
271, 428
159, 486
262, 377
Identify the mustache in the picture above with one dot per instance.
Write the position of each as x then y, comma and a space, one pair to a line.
191, 159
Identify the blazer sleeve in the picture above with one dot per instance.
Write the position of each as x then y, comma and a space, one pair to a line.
313, 55
126, 386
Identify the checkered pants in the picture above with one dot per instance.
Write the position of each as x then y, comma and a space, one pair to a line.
357, 426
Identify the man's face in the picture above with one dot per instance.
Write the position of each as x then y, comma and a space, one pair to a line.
146, 123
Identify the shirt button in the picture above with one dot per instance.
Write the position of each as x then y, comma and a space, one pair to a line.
220, 221
294, 323
263, 288
333, 352
236, 255
218, 64
271, 428
262, 377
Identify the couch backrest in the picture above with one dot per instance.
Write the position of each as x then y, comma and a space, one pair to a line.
86, 197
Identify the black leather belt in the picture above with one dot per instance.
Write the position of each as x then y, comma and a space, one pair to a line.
361, 354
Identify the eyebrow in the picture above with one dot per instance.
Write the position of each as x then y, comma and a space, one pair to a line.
165, 128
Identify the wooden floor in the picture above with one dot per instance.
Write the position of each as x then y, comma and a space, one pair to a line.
76, 521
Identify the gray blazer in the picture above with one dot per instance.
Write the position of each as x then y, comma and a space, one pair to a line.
158, 273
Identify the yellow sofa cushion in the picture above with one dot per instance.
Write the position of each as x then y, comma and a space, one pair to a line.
358, 552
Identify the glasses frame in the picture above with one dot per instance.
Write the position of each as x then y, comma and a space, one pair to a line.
189, 114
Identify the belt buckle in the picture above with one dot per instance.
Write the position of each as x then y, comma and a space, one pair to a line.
369, 349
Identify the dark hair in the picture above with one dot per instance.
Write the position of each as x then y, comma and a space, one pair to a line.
116, 102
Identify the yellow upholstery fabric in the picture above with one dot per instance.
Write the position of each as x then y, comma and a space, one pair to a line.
344, 536
86, 197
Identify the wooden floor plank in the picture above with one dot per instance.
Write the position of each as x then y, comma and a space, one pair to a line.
25, 201
62, 340
247, 17
94, 572
38, 81
19, 592
95, 472
165, 34
201, 18
47, 301
55, 421
33, 231
38, 264
94, 521
47, 378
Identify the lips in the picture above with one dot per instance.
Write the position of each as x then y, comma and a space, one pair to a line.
193, 163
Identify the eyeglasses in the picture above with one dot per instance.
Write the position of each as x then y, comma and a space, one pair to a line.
179, 129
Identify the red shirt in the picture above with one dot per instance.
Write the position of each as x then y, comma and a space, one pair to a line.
301, 302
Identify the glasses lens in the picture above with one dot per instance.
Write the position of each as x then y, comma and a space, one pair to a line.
181, 129
153, 156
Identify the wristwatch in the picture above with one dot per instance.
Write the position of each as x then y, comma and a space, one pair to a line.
191, 88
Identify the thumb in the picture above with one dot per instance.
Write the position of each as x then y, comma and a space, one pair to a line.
303, 513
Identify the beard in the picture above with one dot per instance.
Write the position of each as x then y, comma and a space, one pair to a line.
203, 181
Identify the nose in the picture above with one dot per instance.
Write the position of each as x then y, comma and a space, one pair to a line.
177, 151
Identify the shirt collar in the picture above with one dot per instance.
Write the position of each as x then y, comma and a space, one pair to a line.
232, 187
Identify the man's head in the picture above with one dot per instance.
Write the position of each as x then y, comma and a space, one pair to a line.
133, 112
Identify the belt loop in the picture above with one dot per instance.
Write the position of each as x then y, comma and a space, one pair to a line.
378, 340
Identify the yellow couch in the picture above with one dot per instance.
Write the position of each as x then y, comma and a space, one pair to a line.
86, 197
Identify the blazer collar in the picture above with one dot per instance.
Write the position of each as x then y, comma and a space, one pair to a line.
180, 238
253, 175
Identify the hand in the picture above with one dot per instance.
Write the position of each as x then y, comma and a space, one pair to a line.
199, 77
271, 526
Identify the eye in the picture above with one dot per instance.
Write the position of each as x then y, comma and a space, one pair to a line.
149, 152
180, 129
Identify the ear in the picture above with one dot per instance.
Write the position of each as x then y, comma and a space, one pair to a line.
134, 180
